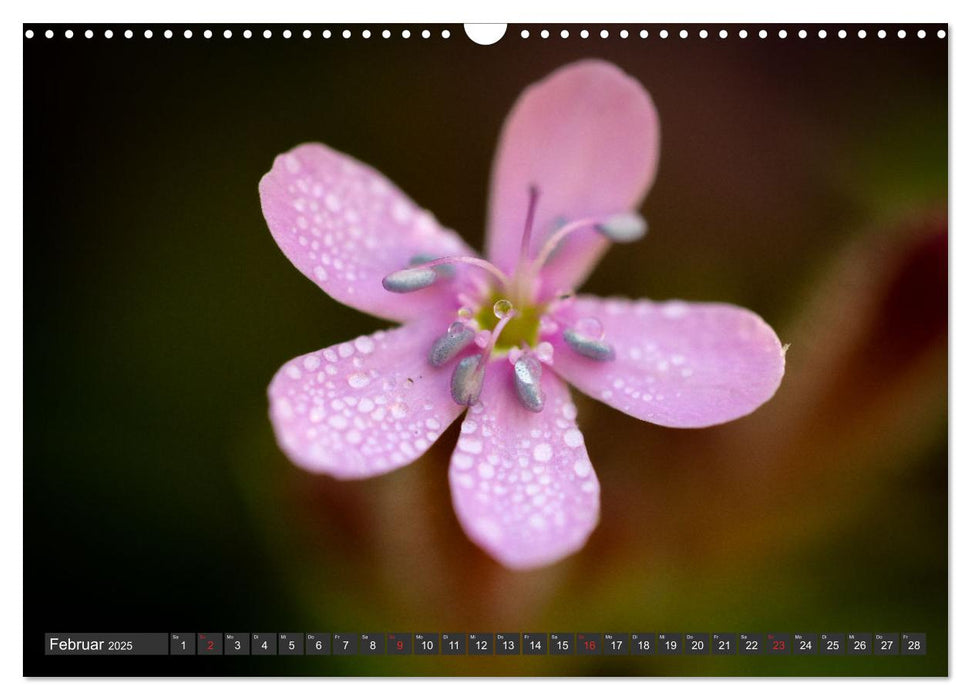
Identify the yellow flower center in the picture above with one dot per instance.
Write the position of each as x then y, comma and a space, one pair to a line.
523, 328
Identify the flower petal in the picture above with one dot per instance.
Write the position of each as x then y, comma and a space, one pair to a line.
522, 484
679, 364
588, 137
363, 407
346, 226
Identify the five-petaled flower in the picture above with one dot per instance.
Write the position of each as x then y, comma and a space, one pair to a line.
502, 336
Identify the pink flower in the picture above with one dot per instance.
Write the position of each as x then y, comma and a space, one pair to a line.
503, 336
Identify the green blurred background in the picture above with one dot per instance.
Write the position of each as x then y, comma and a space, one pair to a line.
805, 179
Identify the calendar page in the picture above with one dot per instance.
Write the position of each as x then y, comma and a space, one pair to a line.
485, 350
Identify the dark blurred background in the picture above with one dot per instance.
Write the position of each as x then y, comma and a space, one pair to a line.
805, 179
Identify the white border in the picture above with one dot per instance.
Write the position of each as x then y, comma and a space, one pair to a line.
602, 11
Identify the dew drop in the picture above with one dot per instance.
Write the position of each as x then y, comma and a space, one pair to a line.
542, 452
544, 352
582, 468
502, 308
590, 327
465, 313
358, 380
364, 345
457, 329
547, 326
573, 437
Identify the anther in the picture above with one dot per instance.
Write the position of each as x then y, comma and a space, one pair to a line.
456, 339
528, 373
588, 347
435, 267
447, 271
623, 228
467, 380
467, 377
409, 280
619, 228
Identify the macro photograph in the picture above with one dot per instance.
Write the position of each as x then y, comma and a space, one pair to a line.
618, 349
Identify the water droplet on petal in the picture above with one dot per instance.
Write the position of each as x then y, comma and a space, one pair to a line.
457, 329
544, 352
590, 327
547, 326
466, 313
358, 380
502, 308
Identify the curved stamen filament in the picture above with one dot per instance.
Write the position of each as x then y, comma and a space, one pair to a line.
554, 241
619, 228
463, 260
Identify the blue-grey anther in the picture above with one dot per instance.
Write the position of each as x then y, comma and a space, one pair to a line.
409, 280
528, 372
588, 347
467, 380
446, 270
623, 228
451, 344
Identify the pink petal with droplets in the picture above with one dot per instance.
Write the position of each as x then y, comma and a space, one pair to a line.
522, 484
363, 407
346, 226
588, 137
679, 364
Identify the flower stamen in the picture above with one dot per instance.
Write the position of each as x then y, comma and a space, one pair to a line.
409, 280
588, 344
528, 373
424, 274
466, 384
619, 228
456, 339
467, 379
